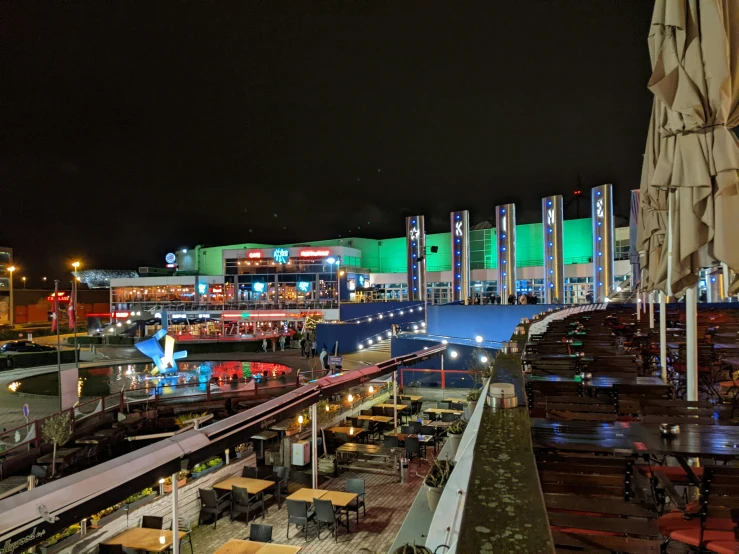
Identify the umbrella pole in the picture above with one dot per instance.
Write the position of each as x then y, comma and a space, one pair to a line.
651, 310
691, 337
663, 335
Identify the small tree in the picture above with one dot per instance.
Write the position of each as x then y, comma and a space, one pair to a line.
480, 370
56, 430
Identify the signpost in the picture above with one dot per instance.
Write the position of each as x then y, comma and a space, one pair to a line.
335, 361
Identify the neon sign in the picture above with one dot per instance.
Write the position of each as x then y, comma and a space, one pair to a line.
257, 287
303, 286
60, 297
280, 255
414, 233
313, 253
202, 288
599, 207
550, 216
254, 255
458, 228
170, 258
121, 315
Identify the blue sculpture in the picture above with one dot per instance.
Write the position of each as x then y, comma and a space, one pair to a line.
164, 358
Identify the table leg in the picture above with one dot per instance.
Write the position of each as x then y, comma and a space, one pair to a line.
688, 470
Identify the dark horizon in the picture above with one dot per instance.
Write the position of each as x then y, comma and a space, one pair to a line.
137, 129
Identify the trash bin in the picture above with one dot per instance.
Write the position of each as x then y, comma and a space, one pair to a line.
404, 470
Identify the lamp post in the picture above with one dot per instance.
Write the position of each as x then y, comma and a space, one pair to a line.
76, 266
11, 269
24, 282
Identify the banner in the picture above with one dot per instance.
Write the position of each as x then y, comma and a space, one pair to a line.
70, 379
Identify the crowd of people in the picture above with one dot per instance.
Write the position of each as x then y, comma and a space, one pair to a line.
522, 298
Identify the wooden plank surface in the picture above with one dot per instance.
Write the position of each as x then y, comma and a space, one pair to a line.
273, 548
340, 498
307, 495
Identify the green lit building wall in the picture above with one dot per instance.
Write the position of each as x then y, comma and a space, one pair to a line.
388, 255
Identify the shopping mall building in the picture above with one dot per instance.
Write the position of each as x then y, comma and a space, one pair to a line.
245, 285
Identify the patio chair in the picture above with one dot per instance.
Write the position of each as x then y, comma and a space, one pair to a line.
365, 412
39, 472
244, 503
356, 486
260, 533
416, 426
152, 522
407, 429
248, 471
110, 548
391, 442
457, 406
449, 417
413, 448
299, 514
281, 475
210, 504
443, 405
183, 524
325, 515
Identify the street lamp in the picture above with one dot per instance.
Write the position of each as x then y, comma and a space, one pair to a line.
76, 266
11, 269
24, 282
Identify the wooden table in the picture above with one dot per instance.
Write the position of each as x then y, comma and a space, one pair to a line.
442, 411
272, 548
62, 455
11, 485
348, 431
307, 495
149, 540
376, 418
401, 407
455, 400
236, 546
599, 381
411, 397
366, 450
252, 486
89, 440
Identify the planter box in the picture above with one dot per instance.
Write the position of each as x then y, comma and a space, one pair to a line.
291, 432
133, 505
181, 483
245, 453
198, 474
105, 520
61, 545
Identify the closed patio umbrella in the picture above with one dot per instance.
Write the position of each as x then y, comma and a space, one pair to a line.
690, 180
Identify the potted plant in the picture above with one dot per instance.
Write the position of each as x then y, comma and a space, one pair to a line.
435, 481
181, 481
206, 467
244, 449
412, 549
61, 540
183, 420
105, 516
454, 435
472, 397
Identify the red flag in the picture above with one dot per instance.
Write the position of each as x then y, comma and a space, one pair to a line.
55, 315
70, 309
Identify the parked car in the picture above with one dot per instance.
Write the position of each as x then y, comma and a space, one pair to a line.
25, 346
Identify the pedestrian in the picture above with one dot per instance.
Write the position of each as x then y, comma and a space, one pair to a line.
282, 343
314, 348
523, 299
323, 358
302, 347
274, 344
264, 345
511, 298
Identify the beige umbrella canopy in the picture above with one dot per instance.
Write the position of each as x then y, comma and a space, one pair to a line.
691, 151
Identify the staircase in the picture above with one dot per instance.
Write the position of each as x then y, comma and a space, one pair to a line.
383, 346
625, 295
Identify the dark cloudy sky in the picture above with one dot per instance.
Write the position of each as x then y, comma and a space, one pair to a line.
133, 128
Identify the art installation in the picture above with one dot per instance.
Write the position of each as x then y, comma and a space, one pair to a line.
164, 358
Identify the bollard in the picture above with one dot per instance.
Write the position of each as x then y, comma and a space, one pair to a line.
404, 471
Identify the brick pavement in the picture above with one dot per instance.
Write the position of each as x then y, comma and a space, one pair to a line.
387, 500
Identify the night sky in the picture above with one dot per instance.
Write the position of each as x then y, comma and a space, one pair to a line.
134, 128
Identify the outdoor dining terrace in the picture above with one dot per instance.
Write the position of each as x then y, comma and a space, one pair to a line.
626, 460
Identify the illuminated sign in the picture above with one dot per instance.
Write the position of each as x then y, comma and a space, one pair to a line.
60, 296
204, 316
203, 288
414, 233
121, 314
179, 316
303, 286
171, 265
257, 287
170, 258
280, 255
599, 208
550, 216
458, 229
314, 253
351, 284
254, 255
361, 281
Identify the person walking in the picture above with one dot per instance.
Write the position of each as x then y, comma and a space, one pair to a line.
264, 345
313, 348
322, 358
282, 343
302, 347
274, 344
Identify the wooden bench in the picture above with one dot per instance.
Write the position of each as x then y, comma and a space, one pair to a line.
593, 505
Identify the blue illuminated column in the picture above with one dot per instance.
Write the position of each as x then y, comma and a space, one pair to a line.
603, 249
415, 234
460, 229
554, 269
505, 227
